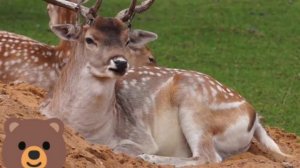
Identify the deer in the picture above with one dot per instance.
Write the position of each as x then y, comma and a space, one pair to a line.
162, 115
23, 59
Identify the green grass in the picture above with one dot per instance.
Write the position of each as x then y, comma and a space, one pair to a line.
251, 45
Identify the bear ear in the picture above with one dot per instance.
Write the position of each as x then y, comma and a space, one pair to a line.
11, 124
57, 125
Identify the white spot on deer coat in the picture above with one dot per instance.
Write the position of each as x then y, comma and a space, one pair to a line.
125, 84
213, 91
133, 82
151, 73
131, 71
145, 79
187, 74
164, 72
212, 82
18, 54
5, 54
36, 59
228, 90
226, 106
219, 88
200, 79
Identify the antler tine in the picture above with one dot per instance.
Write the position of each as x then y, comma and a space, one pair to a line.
128, 12
124, 14
145, 5
71, 6
96, 7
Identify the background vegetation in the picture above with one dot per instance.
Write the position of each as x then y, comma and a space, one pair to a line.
251, 45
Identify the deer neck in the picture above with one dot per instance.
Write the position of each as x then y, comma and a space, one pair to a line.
84, 102
63, 51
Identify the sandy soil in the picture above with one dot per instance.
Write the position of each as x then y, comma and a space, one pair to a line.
22, 101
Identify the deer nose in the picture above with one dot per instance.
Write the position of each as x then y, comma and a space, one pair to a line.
121, 65
34, 155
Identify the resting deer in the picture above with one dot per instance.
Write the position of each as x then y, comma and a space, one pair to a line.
25, 60
166, 116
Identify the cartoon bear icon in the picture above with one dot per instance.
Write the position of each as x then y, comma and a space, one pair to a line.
33, 143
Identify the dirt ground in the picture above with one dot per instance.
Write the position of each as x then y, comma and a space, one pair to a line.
22, 101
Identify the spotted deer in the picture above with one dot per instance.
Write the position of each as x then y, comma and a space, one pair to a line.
23, 59
165, 116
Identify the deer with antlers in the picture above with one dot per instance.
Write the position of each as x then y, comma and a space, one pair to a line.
165, 116
23, 59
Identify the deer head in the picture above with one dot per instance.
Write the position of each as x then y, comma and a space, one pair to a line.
104, 40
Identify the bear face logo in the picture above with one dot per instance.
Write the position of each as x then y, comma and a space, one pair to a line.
33, 143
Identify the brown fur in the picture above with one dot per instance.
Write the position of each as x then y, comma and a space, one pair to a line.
33, 133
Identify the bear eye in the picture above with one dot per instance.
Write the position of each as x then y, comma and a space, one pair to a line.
22, 145
46, 145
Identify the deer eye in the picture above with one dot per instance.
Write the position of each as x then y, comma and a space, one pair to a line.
127, 42
152, 60
89, 40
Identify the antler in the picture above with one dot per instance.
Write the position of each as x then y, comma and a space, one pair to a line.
70, 5
84, 11
145, 5
127, 14
95, 8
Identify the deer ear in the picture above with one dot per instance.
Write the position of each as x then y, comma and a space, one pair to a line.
66, 31
139, 38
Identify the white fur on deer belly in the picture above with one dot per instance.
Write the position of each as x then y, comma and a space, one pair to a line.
168, 134
235, 139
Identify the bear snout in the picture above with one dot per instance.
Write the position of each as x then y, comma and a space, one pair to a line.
34, 154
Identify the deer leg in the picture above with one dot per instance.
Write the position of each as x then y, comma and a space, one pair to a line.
204, 152
140, 142
128, 147
195, 127
200, 142
176, 161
